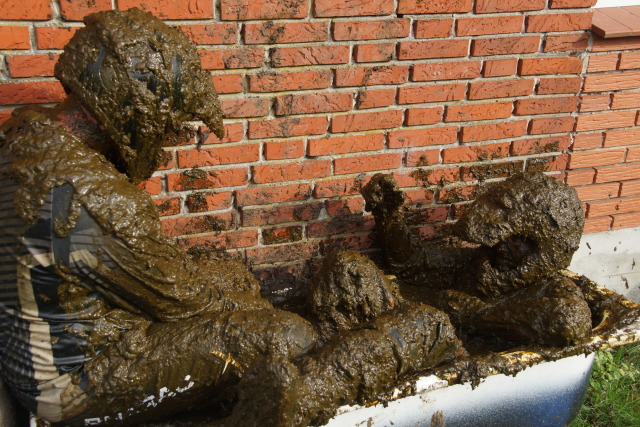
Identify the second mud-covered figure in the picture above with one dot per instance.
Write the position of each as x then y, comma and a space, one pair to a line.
105, 320
497, 273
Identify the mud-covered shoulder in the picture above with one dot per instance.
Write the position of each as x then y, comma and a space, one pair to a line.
42, 155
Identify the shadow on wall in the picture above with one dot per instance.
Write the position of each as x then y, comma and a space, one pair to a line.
611, 259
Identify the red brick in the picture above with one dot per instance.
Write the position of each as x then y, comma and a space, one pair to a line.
475, 153
598, 191
195, 224
551, 125
313, 103
557, 85
606, 120
630, 188
278, 235
607, 82
586, 159
152, 186
72, 10
549, 144
218, 33
275, 82
562, 65
473, 112
381, 52
277, 150
53, 37
222, 155
605, 62
425, 177
494, 131
587, 141
633, 155
566, 42
366, 76
446, 71
287, 127
624, 100
31, 92
456, 194
31, 65
245, 107
240, 10
375, 98
626, 220
282, 172
490, 6
500, 67
338, 187
570, 4
331, 8
431, 93
358, 242
597, 225
617, 173
547, 164
629, 60
559, 22
421, 137
500, 88
505, 45
219, 59
614, 206
227, 240
374, 162
489, 25
617, 138
491, 170
433, 28
433, 49
283, 253
272, 32
281, 214
366, 121
33, 10
310, 55
233, 132
581, 177
611, 45
14, 37
172, 9
423, 158
595, 102
423, 116
547, 105
228, 83
341, 225
198, 179
268, 195
413, 7
419, 197
371, 30
350, 206
346, 144
205, 202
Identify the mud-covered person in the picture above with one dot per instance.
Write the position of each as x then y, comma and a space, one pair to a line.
103, 318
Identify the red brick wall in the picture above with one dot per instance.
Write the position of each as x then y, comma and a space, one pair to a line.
321, 94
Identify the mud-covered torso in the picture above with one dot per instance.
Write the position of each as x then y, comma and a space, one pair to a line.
83, 256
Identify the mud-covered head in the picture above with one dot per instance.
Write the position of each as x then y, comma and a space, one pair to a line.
143, 82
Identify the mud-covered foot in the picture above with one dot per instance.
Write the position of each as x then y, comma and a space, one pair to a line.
383, 197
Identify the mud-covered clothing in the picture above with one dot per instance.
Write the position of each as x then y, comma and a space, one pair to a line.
83, 259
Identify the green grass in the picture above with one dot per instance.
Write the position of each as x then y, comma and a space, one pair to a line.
613, 398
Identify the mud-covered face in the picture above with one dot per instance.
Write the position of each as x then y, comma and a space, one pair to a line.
143, 82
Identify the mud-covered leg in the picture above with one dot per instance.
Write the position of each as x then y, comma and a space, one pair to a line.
164, 368
353, 367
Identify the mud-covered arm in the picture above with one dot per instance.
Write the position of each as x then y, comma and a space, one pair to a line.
143, 273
